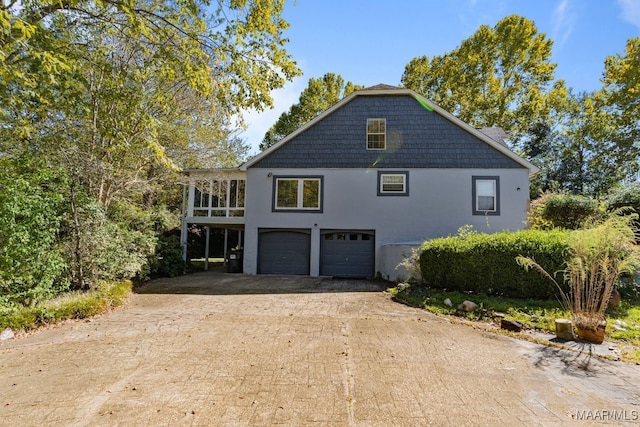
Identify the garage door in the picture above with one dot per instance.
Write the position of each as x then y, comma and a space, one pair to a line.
284, 251
347, 253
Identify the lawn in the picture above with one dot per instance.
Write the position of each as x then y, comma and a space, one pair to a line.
623, 323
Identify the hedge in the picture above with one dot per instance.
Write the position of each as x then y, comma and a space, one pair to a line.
486, 263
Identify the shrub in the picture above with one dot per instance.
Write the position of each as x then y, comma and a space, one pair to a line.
597, 257
626, 197
486, 263
167, 260
563, 211
72, 305
623, 197
31, 202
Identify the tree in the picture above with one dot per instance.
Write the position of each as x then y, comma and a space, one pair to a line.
119, 94
31, 203
574, 150
501, 76
620, 99
319, 95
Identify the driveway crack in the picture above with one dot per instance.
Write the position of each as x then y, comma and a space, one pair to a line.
348, 372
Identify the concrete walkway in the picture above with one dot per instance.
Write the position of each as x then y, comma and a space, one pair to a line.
232, 350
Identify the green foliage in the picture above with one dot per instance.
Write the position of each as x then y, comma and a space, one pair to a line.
486, 263
319, 96
627, 197
532, 313
597, 257
31, 201
574, 150
499, 76
105, 247
72, 305
564, 211
115, 96
167, 260
619, 95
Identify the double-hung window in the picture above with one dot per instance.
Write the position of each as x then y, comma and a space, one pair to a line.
376, 134
393, 183
297, 193
486, 195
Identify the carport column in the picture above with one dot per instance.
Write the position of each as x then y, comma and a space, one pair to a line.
314, 255
206, 248
184, 230
226, 243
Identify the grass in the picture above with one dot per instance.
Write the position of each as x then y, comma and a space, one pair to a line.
198, 263
70, 305
537, 315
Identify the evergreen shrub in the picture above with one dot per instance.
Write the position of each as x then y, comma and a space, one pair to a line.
486, 263
565, 211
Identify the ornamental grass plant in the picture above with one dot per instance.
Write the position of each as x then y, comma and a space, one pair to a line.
598, 257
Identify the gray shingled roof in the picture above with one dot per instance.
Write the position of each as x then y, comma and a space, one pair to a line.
497, 134
382, 86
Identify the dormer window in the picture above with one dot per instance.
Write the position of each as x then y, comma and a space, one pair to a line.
376, 134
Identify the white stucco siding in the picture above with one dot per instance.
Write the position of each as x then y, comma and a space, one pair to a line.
439, 202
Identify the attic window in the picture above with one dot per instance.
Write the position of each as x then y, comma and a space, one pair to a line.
376, 134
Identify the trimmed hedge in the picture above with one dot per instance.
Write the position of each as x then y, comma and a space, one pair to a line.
486, 263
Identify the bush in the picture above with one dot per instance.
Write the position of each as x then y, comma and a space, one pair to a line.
486, 263
31, 202
563, 211
623, 197
626, 197
597, 258
167, 260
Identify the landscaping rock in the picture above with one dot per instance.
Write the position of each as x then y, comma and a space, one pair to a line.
448, 302
468, 306
510, 325
564, 329
7, 334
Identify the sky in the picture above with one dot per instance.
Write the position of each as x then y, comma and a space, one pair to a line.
369, 42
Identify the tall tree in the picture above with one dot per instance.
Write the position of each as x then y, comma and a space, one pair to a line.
573, 149
620, 98
118, 94
319, 95
500, 76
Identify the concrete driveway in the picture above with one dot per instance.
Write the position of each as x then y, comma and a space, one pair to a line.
232, 350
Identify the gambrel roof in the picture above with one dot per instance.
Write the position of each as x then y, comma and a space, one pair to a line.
420, 134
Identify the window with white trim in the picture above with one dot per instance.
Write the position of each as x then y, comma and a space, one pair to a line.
393, 183
219, 197
297, 193
486, 195
376, 134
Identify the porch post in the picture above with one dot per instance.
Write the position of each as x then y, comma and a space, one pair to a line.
206, 249
184, 229
226, 238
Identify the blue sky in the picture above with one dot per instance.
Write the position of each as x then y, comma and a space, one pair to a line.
370, 42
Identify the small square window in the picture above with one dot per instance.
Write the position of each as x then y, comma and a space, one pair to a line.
376, 134
393, 183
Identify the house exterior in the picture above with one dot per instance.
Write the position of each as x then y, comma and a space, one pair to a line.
349, 193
